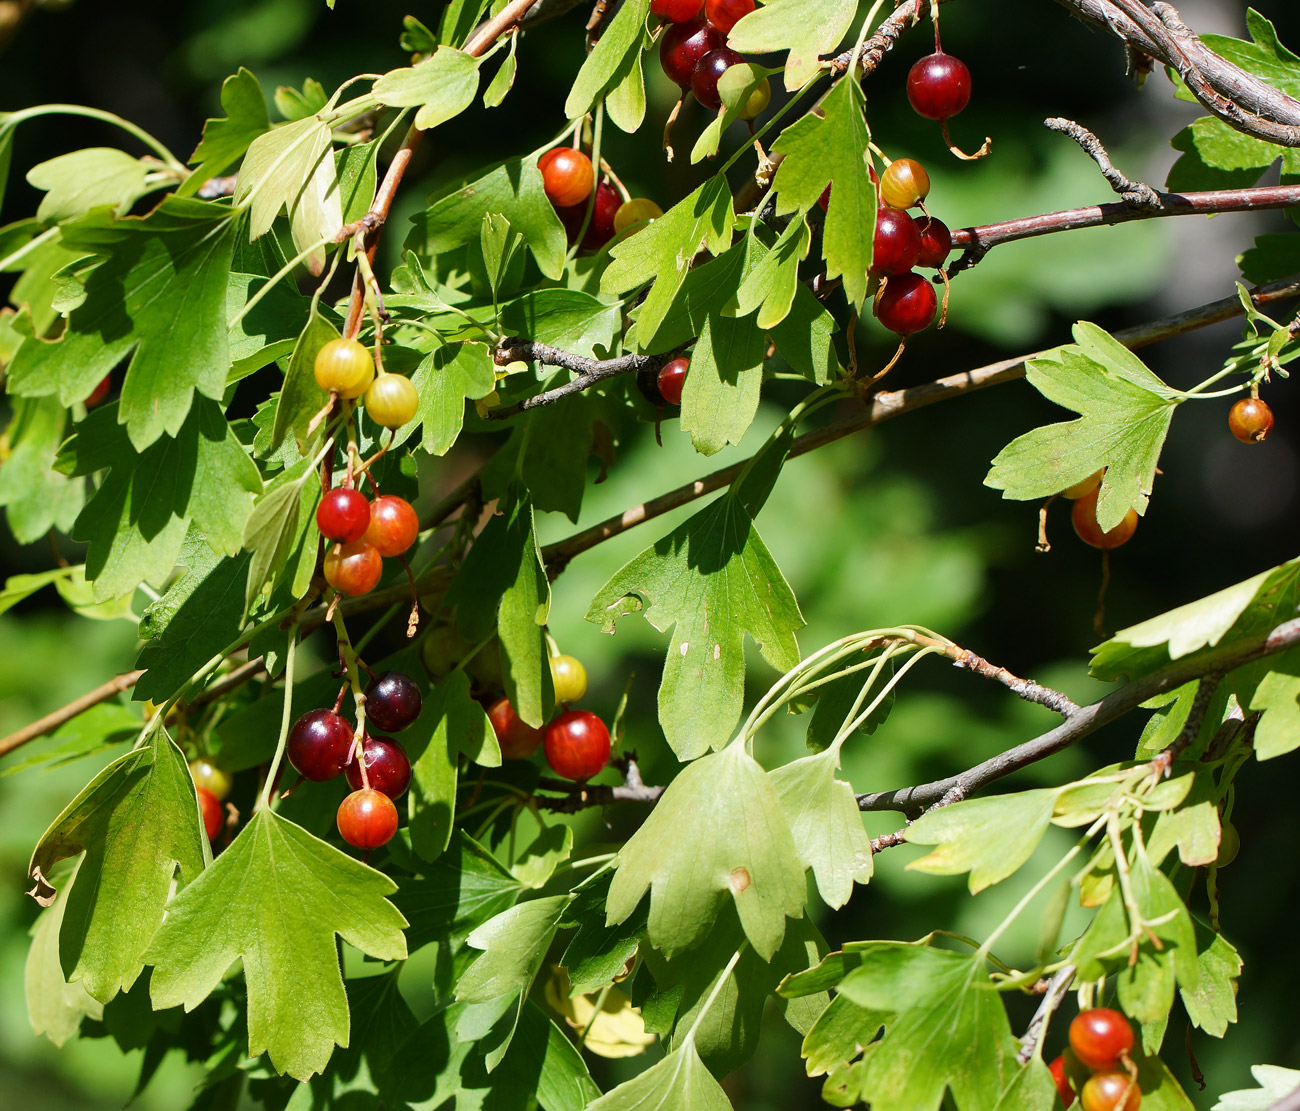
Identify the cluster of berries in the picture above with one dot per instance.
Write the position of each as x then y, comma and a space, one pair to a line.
1101, 1041
363, 532
346, 368
323, 745
694, 53
213, 787
568, 177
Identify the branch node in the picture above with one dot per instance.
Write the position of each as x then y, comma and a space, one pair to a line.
1135, 194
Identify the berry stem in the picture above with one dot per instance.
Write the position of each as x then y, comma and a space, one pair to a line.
717, 990
286, 719
349, 657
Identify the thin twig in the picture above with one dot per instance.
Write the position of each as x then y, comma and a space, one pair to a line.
64, 714
1137, 194
1057, 986
589, 371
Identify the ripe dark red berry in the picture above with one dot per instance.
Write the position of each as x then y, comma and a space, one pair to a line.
99, 392
725, 14
213, 815
897, 243
1101, 1038
600, 230
577, 745
392, 701
676, 11
938, 86
683, 45
393, 527
343, 515
1083, 514
1110, 1091
567, 176
518, 739
367, 819
704, 81
388, 768
1063, 1089
936, 242
320, 745
1251, 420
671, 379
354, 568
907, 304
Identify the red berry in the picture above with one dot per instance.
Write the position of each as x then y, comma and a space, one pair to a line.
897, 243
725, 14
1110, 1091
683, 45
672, 377
1251, 420
392, 701
1101, 1038
704, 81
367, 819
938, 86
676, 11
518, 739
577, 745
936, 242
1084, 516
343, 515
1063, 1088
567, 176
393, 527
99, 392
354, 568
320, 745
213, 815
388, 768
907, 304
601, 228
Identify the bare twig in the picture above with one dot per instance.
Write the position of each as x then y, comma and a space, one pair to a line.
1057, 986
589, 371
1024, 688
1136, 194
64, 714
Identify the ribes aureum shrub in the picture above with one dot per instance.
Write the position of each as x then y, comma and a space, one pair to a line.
273, 839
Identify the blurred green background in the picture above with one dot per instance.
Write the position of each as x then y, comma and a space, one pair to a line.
890, 526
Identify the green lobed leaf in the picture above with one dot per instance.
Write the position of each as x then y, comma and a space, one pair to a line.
301, 397
1124, 413
55, 1007
840, 1033
275, 899
611, 60
712, 580
679, 1082
806, 28
1212, 1003
720, 395
565, 318
598, 953
161, 290
283, 519
717, 831
35, 496
1274, 1082
625, 101
832, 149
137, 822
770, 286
444, 380
85, 179
294, 104
442, 86
225, 140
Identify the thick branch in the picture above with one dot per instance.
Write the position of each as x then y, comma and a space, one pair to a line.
1086, 721
887, 405
1229, 92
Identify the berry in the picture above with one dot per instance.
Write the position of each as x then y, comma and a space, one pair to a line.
600, 230
683, 45
393, 527
392, 400
214, 816
343, 515
392, 701
936, 242
567, 176
577, 745
518, 739
1084, 516
638, 210
1229, 845
938, 86
388, 768
676, 11
704, 81
896, 245
99, 392
1106, 1091
367, 819
569, 678
1084, 486
1101, 1038
211, 778
907, 304
671, 379
1057, 1069
320, 745
354, 568
904, 183
758, 99
1251, 420
725, 14
345, 367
